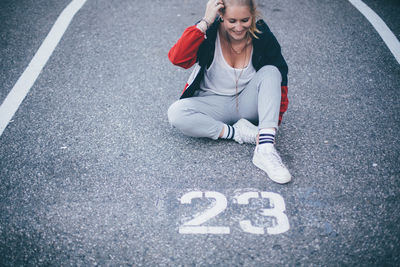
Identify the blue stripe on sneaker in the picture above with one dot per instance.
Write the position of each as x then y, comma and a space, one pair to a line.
233, 132
229, 132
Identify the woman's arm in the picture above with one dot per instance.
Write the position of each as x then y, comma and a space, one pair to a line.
184, 51
284, 103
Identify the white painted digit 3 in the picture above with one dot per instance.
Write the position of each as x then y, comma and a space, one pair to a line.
277, 211
194, 226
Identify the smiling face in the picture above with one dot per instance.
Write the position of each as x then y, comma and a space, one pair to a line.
237, 21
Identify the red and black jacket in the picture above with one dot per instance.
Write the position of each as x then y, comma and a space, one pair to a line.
196, 47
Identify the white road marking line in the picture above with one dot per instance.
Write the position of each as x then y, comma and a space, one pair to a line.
380, 26
25, 82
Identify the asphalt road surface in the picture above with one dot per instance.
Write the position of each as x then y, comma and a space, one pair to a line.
92, 173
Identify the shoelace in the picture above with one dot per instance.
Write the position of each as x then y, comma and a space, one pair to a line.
276, 160
247, 136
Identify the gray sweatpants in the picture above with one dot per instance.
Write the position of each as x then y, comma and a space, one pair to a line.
205, 114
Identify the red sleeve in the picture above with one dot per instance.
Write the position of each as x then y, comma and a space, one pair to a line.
284, 102
184, 52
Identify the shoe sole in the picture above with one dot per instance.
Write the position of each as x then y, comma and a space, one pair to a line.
260, 165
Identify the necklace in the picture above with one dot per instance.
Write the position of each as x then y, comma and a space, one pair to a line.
241, 50
237, 77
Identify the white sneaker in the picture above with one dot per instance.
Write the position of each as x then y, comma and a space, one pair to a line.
245, 132
267, 159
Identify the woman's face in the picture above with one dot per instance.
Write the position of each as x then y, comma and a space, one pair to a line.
237, 21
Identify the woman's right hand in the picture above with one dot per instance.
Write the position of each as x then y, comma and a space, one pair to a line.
213, 6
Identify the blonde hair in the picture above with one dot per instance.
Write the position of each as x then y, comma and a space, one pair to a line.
253, 10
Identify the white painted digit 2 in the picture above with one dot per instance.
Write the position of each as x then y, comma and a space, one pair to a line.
193, 226
277, 211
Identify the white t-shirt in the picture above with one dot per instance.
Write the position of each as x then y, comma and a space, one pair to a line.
220, 76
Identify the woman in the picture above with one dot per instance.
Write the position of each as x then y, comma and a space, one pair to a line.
240, 76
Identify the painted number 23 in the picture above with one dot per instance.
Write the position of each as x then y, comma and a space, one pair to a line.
277, 209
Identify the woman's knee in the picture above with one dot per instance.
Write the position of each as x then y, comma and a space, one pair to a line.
176, 113
270, 72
